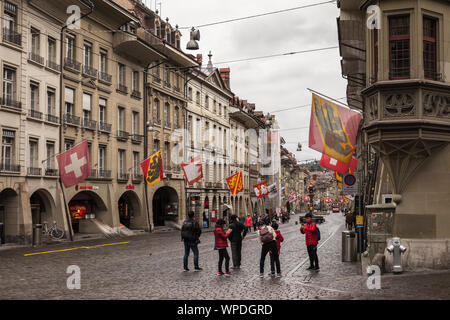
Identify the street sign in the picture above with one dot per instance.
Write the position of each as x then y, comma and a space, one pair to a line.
350, 184
359, 221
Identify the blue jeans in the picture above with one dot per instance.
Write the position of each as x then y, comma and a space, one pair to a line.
187, 248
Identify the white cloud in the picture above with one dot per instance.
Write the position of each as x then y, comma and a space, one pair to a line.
275, 83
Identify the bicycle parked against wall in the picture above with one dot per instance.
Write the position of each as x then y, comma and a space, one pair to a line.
53, 232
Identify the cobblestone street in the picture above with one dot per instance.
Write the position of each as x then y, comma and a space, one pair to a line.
150, 267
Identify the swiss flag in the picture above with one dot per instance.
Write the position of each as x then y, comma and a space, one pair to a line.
74, 165
338, 166
193, 170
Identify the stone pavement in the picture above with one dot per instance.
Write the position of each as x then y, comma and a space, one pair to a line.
150, 267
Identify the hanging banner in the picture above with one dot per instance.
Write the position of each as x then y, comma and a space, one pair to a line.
261, 190
235, 183
153, 169
333, 129
193, 170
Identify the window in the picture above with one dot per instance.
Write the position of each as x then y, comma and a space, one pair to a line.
136, 164
197, 97
33, 155
34, 96
166, 114
51, 110
155, 145
121, 74
101, 159
135, 123
156, 111
135, 83
121, 162
189, 127
399, 47
87, 103
69, 102
50, 155
121, 119
70, 47
220, 109
9, 85
166, 155
430, 48
51, 43
103, 58
8, 149
35, 41
225, 112
206, 102
176, 115
375, 54
102, 110
87, 54
68, 144
166, 76
10, 17
190, 93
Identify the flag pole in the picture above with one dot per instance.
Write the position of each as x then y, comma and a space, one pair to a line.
332, 99
69, 224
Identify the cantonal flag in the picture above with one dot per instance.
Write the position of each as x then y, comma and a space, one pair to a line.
338, 166
235, 183
153, 169
333, 129
193, 170
74, 164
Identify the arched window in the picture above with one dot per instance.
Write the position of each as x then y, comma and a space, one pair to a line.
166, 114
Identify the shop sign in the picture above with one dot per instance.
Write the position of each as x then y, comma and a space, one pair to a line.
129, 187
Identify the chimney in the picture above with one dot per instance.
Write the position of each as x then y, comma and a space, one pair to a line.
225, 75
200, 59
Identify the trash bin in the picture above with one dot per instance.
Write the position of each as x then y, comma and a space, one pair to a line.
349, 246
2, 233
37, 234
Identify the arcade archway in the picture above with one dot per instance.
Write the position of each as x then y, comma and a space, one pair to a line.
42, 207
165, 206
129, 208
86, 205
9, 215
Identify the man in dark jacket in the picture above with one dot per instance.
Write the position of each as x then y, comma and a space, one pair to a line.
190, 234
238, 233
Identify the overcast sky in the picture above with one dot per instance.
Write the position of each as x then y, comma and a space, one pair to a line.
274, 83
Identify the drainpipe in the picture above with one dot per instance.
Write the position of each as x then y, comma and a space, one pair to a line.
146, 140
61, 108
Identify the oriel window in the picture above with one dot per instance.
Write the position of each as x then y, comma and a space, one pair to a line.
399, 43
430, 48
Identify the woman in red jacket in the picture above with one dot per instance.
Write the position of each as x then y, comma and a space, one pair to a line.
309, 230
221, 245
279, 237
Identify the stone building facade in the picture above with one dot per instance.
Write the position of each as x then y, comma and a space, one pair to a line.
398, 76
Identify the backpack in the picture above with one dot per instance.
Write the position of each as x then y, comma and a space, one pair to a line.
266, 235
187, 230
318, 233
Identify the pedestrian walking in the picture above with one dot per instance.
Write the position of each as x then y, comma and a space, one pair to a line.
255, 221
221, 244
267, 237
310, 231
349, 219
248, 223
238, 233
190, 235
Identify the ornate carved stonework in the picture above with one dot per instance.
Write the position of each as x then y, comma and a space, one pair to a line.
372, 108
436, 104
399, 105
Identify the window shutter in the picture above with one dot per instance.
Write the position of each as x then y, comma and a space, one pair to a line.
69, 95
86, 102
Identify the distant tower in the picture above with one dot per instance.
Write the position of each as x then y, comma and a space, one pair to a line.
210, 67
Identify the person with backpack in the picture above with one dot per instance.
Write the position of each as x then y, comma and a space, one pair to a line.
221, 245
238, 233
190, 234
267, 236
312, 237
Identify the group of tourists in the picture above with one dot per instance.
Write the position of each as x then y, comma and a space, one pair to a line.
269, 236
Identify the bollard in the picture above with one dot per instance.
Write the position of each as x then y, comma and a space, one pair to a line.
396, 249
37, 235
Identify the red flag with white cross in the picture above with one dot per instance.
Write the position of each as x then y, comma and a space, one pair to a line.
74, 165
193, 170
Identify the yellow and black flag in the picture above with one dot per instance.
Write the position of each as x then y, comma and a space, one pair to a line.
153, 169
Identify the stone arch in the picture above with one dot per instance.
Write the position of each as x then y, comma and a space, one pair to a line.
42, 207
130, 208
86, 205
9, 215
165, 205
